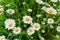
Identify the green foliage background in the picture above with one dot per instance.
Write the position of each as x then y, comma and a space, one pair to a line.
20, 11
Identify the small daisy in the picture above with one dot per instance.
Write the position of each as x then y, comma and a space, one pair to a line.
9, 24
10, 11
39, 1
27, 19
17, 30
29, 10
1, 10
51, 11
36, 26
38, 15
50, 21
43, 31
2, 37
58, 28
54, 0
30, 31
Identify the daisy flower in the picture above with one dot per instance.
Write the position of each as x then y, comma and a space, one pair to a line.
2, 37
10, 11
54, 0
17, 30
1, 10
51, 10
58, 28
39, 1
29, 10
30, 31
36, 26
9, 24
50, 21
43, 31
27, 19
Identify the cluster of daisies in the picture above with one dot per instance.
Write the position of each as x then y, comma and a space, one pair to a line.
10, 24
34, 26
49, 10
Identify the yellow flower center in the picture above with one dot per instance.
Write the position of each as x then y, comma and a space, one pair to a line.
10, 24
1, 38
31, 30
17, 30
36, 26
10, 11
50, 11
27, 19
50, 20
58, 28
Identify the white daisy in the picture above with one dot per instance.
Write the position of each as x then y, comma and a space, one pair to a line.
54, 0
39, 1
43, 31
17, 30
29, 10
50, 21
30, 31
1, 10
38, 15
58, 28
10, 11
27, 19
9, 24
51, 10
2, 37
36, 26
